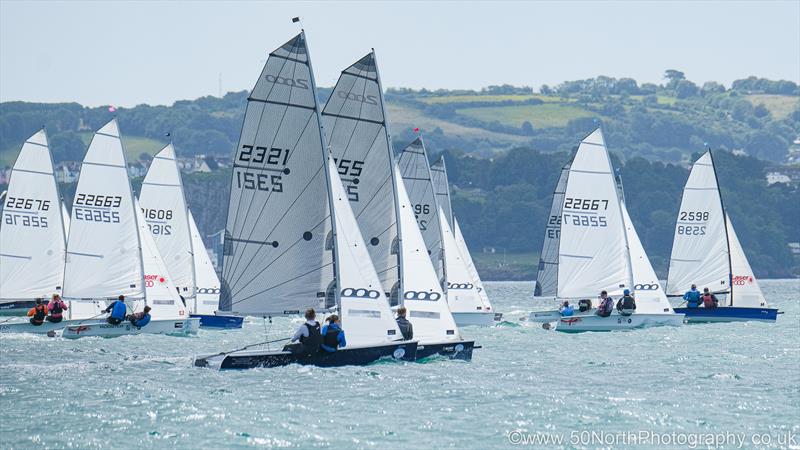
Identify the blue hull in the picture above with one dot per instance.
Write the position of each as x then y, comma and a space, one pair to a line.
212, 321
728, 314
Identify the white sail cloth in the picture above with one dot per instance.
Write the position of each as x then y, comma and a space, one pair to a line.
471, 269
547, 275
32, 239
206, 299
745, 291
650, 297
462, 294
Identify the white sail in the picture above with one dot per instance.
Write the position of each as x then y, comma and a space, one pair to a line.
164, 208
650, 297
745, 291
274, 254
161, 294
65, 216
103, 250
206, 300
442, 188
462, 295
414, 166
547, 275
700, 253
365, 311
473, 271
422, 294
355, 125
32, 239
593, 253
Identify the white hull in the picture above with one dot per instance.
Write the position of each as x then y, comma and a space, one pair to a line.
477, 318
104, 329
27, 327
590, 322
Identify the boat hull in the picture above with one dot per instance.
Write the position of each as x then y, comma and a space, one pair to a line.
452, 349
615, 322
477, 318
16, 308
728, 314
105, 329
218, 322
27, 327
405, 351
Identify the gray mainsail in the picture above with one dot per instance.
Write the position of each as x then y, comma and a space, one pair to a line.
416, 172
442, 189
547, 277
355, 125
274, 258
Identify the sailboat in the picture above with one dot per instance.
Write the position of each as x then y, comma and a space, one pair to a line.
291, 238
108, 250
171, 225
706, 252
465, 292
207, 287
591, 245
33, 241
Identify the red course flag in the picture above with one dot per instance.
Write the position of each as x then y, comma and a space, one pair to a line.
416, 130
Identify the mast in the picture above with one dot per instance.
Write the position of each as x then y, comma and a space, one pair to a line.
135, 215
442, 256
725, 226
394, 182
325, 156
188, 228
618, 180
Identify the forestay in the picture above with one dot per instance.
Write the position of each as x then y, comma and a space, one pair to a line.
745, 291
700, 253
593, 253
442, 189
650, 297
547, 276
416, 173
32, 239
274, 257
365, 312
161, 293
353, 119
103, 256
473, 271
462, 295
164, 208
206, 300
422, 294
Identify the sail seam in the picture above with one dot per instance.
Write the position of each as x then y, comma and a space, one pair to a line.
274, 102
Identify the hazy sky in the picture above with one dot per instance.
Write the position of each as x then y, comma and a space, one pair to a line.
125, 53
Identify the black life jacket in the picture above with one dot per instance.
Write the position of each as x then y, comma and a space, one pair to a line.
311, 342
331, 338
57, 309
40, 313
628, 302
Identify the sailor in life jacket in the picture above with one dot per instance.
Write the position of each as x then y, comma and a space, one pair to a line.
141, 318
38, 313
566, 309
308, 334
56, 308
606, 305
332, 335
709, 299
117, 310
627, 304
692, 297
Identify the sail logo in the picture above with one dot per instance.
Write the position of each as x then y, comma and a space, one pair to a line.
460, 285
150, 280
646, 287
368, 99
292, 82
207, 290
741, 280
360, 293
414, 295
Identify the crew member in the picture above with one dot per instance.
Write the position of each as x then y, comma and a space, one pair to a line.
140, 318
405, 326
627, 304
56, 308
38, 313
692, 297
332, 335
606, 305
709, 299
566, 309
117, 310
308, 334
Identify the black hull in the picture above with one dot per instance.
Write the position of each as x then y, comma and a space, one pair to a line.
344, 357
453, 350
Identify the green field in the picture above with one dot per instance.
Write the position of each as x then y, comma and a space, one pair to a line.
660, 99
486, 98
541, 116
779, 105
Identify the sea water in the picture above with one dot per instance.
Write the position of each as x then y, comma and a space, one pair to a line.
662, 387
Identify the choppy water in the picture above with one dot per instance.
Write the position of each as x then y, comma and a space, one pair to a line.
142, 391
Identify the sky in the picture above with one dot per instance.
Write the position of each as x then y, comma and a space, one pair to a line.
127, 53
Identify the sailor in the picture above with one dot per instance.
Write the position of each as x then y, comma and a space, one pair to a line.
308, 334
117, 310
405, 326
627, 304
606, 305
38, 313
566, 309
709, 299
56, 308
332, 335
140, 318
692, 297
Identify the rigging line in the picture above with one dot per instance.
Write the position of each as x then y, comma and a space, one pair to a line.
272, 142
277, 223
226, 267
266, 202
280, 284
